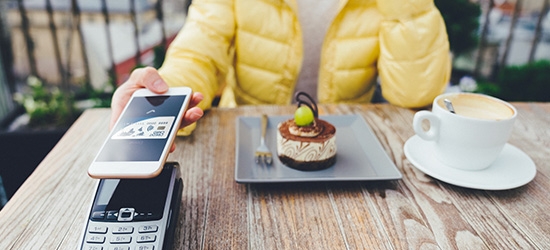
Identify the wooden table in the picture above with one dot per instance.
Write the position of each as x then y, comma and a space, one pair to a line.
50, 209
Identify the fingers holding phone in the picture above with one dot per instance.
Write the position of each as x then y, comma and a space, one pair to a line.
150, 79
147, 77
144, 132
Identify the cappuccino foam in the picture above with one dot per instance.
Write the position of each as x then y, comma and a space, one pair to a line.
479, 106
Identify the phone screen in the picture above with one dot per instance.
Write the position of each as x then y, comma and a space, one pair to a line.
143, 129
146, 196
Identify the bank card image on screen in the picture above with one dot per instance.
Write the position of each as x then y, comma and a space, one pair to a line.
139, 143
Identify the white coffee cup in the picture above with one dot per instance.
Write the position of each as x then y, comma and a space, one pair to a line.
474, 136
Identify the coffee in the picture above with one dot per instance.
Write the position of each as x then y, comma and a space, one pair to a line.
471, 139
479, 107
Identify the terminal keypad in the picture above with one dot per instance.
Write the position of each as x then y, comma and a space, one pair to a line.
121, 237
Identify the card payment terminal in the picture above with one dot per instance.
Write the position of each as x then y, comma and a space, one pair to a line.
135, 213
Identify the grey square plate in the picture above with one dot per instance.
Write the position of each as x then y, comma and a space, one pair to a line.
359, 157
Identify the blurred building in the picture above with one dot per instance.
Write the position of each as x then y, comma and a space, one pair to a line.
507, 41
88, 49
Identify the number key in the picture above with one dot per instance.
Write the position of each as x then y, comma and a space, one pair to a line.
146, 238
123, 230
148, 229
97, 229
120, 248
121, 239
145, 247
95, 239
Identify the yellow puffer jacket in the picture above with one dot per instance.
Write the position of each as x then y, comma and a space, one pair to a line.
252, 50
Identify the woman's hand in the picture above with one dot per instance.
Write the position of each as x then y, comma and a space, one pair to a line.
149, 78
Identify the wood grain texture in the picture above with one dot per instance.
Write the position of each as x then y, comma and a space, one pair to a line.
416, 212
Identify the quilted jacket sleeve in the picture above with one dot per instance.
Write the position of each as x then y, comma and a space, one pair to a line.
414, 63
198, 56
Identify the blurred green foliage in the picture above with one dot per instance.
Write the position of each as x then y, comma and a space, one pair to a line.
48, 107
159, 52
462, 23
487, 87
528, 82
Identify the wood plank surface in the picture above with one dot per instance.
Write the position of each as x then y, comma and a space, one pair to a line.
416, 212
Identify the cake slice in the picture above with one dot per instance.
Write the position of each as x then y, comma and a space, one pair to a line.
306, 142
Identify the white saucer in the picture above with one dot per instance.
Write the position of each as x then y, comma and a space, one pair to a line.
512, 169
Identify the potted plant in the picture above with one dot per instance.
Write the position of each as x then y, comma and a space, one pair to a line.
45, 114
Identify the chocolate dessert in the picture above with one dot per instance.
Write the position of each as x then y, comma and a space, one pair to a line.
306, 142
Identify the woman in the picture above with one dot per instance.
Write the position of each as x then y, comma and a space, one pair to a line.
263, 51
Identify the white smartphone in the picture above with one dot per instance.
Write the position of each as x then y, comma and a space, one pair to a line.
140, 141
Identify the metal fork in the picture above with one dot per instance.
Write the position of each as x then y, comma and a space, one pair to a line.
262, 152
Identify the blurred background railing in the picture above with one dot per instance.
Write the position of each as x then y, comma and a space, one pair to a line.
59, 57
80, 46
86, 47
